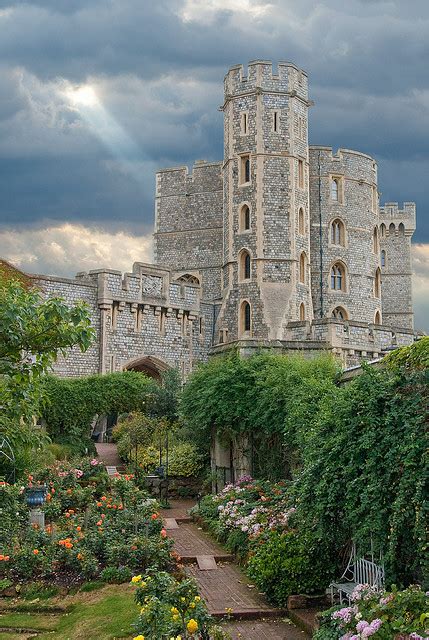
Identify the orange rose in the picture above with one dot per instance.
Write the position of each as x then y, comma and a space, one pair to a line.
99, 523
67, 515
103, 498
35, 551
163, 533
154, 516
78, 528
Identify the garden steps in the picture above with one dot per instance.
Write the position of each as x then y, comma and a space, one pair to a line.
305, 619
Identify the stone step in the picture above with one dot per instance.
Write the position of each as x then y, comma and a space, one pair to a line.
249, 614
305, 619
206, 563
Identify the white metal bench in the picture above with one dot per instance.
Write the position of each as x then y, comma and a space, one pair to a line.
358, 571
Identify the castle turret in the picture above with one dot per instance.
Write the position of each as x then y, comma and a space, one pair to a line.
345, 250
396, 229
266, 275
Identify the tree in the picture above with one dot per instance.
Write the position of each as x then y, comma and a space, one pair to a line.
32, 333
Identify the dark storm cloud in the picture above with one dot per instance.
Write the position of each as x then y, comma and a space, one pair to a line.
158, 69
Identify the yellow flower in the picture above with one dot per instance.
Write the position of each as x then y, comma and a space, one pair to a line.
174, 610
175, 617
140, 637
135, 580
192, 626
183, 599
197, 598
192, 605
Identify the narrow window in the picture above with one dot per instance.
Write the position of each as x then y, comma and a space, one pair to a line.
245, 317
244, 265
338, 234
275, 121
245, 169
244, 218
377, 284
302, 311
301, 224
302, 268
383, 258
339, 313
374, 199
391, 229
401, 229
247, 267
301, 174
115, 311
382, 230
335, 189
244, 123
375, 247
338, 277
377, 318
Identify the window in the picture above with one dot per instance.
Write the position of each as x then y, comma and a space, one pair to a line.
301, 223
245, 265
338, 277
383, 258
303, 268
338, 232
382, 230
335, 190
244, 123
302, 311
401, 229
301, 174
339, 313
375, 247
245, 318
377, 318
276, 121
374, 199
391, 229
377, 284
245, 169
244, 222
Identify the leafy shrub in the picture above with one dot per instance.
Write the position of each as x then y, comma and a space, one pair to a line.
116, 575
185, 460
282, 564
379, 615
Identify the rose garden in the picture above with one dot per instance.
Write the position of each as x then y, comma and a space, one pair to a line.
337, 479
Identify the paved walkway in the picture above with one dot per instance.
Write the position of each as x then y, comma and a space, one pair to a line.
227, 587
108, 454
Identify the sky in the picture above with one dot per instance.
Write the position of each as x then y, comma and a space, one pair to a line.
96, 95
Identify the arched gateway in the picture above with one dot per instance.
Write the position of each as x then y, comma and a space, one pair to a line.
150, 365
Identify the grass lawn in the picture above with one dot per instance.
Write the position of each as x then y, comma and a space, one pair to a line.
106, 613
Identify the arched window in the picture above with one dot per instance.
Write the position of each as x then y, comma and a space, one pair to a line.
377, 318
338, 277
244, 218
375, 246
377, 284
383, 258
391, 229
338, 232
245, 317
339, 313
303, 268
302, 311
245, 265
301, 223
382, 230
335, 189
401, 229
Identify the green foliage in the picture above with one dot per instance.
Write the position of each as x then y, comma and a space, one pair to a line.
415, 356
257, 396
164, 400
115, 575
184, 460
362, 474
72, 404
384, 615
282, 564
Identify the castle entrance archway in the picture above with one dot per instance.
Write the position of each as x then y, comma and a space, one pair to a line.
150, 365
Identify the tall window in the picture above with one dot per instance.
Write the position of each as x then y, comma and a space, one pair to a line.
301, 223
338, 277
303, 268
302, 311
245, 318
382, 230
244, 218
383, 258
245, 169
374, 199
401, 229
275, 121
245, 265
377, 318
301, 174
244, 123
375, 246
377, 284
340, 313
338, 232
336, 190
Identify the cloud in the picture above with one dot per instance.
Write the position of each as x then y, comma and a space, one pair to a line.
205, 11
420, 253
66, 249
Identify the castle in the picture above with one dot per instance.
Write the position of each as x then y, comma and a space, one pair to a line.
281, 245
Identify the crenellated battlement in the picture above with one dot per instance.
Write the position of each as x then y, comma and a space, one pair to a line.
392, 210
328, 153
260, 75
179, 180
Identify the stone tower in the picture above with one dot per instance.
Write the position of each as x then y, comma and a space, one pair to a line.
396, 230
266, 247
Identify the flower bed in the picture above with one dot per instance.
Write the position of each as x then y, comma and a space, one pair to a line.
95, 526
397, 615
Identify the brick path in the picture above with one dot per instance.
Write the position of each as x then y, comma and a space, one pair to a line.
108, 454
227, 587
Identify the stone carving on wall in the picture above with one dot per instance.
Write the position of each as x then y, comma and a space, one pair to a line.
152, 286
